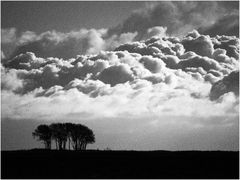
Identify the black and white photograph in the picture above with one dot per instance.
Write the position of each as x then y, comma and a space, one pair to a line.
120, 89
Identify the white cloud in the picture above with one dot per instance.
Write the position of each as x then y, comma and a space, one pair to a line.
158, 31
10, 81
154, 65
63, 45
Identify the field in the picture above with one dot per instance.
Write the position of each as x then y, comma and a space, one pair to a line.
119, 164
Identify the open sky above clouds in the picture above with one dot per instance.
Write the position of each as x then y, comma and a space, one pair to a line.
142, 75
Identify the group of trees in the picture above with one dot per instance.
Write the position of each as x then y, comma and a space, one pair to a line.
72, 135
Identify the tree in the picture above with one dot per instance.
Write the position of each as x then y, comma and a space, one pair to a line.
81, 136
68, 128
87, 138
59, 134
43, 133
76, 135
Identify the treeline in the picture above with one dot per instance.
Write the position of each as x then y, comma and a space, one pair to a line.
75, 136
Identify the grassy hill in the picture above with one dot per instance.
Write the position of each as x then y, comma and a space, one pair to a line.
119, 164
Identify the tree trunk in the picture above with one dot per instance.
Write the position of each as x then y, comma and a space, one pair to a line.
64, 144
45, 144
74, 145
48, 143
69, 142
56, 144
78, 145
60, 145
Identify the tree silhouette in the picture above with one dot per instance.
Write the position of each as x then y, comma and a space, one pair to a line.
68, 128
76, 135
59, 134
43, 133
80, 136
87, 138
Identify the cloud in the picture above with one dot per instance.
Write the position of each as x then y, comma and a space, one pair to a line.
171, 61
130, 61
26, 37
25, 61
156, 84
57, 44
62, 45
155, 19
198, 61
8, 35
10, 81
229, 43
154, 65
8, 40
2, 55
155, 46
229, 83
182, 17
227, 25
194, 34
158, 31
94, 99
201, 45
116, 74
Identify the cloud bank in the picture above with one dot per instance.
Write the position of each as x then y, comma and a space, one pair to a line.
154, 76
64, 45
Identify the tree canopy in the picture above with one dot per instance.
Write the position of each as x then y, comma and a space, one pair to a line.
77, 135
43, 133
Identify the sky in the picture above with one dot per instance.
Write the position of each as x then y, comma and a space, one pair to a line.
142, 75
65, 16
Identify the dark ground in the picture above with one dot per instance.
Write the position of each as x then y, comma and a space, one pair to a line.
119, 164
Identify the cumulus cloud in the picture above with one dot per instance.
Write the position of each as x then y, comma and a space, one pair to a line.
229, 83
201, 45
195, 54
229, 43
156, 77
198, 61
116, 74
62, 45
10, 81
154, 65
57, 44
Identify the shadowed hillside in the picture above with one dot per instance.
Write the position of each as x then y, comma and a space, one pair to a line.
119, 164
